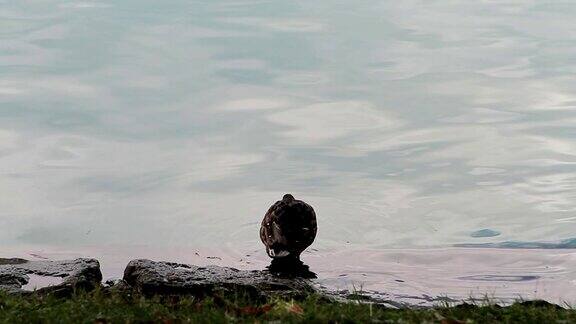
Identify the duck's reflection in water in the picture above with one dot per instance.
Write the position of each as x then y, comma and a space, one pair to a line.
290, 268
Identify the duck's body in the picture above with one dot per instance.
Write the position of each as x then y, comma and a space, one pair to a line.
288, 228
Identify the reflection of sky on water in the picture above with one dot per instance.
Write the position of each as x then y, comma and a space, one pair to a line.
405, 123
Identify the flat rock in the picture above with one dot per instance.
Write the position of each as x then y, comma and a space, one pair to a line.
22, 276
151, 277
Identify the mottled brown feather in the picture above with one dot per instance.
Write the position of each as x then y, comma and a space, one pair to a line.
288, 227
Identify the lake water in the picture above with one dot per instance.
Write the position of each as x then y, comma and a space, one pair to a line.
419, 130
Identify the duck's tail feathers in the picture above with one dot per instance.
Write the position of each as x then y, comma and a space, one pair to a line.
277, 253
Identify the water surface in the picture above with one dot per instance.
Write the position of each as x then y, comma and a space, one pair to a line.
175, 124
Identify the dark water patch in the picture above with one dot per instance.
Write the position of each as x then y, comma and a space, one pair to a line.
500, 278
485, 233
564, 244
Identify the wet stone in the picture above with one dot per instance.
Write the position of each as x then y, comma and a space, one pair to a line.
12, 261
150, 277
21, 276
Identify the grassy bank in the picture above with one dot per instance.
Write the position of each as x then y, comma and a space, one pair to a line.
100, 307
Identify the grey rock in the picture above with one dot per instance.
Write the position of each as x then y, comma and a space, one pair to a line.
118, 286
68, 275
150, 277
12, 261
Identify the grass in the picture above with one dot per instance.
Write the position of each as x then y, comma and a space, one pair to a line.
103, 307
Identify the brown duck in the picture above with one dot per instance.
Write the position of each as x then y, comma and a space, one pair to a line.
288, 228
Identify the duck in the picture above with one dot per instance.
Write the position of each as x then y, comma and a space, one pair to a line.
288, 228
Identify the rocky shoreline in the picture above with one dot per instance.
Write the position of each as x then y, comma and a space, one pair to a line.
20, 276
150, 278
